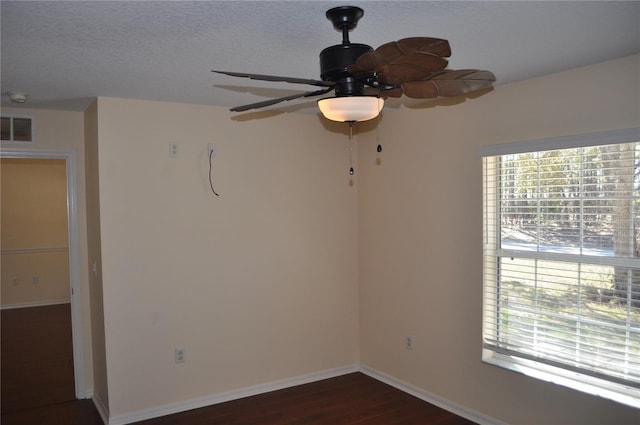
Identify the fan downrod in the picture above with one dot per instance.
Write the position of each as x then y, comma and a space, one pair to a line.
345, 19
335, 60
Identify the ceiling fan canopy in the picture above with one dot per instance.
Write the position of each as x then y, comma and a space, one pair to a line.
362, 77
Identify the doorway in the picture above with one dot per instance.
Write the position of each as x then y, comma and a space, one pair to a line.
54, 316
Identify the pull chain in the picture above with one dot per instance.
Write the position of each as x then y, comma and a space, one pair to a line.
351, 171
379, 148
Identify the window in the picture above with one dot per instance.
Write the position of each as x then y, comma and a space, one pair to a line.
562, 261
16, 129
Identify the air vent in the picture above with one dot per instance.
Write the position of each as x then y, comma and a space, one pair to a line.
17, 129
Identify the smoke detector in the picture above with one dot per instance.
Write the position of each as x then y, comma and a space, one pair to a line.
17, 97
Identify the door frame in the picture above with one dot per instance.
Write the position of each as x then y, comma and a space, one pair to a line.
74, 252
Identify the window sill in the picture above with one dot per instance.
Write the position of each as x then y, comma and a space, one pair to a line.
597, 387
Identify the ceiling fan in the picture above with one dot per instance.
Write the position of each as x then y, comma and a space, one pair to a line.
362, 77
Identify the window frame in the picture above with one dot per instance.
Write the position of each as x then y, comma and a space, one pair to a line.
492, 251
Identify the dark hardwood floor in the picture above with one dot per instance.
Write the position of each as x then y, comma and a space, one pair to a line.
353, 399
33, 394
37, 357
77, 412
36, 369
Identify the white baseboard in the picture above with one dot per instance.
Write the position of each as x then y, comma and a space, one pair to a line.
469, 414
185, 405
101, 408
196, 403
35, 304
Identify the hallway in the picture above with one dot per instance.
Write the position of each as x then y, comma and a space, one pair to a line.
37, 357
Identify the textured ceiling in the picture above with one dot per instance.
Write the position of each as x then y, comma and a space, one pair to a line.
63, 54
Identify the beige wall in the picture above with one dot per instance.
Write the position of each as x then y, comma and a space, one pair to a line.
421, 238
64, 130
94, 256
35, 259
257, 285
297, 268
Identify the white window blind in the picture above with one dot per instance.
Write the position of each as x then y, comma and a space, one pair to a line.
562, 266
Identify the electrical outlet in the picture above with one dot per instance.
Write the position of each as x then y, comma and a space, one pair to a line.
211, 150
409, 342
180, 355
173, 150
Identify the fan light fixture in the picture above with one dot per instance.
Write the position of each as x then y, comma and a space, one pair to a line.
414, 66
351, 108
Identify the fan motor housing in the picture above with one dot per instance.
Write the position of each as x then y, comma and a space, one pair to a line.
335, 60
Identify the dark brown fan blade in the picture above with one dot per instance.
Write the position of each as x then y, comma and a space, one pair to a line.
432, 46
413, 53
425, 61
393, 75
449, 83
392, 92
279, 99
367, 63
411, 67
293, 80
420, 89
463, 81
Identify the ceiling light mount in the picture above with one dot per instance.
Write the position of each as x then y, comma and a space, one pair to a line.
345, 19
